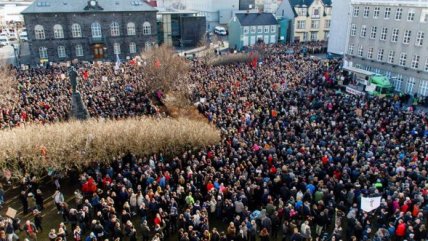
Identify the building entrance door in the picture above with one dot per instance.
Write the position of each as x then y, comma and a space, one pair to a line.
98, 50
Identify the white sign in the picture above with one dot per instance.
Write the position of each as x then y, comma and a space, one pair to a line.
370, 203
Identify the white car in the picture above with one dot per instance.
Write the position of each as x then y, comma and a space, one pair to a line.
220, 30
23, 36
4, 40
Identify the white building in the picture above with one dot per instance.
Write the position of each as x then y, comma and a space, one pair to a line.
340, 21
215, 11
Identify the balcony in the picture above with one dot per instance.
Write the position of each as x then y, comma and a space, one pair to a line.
97, 40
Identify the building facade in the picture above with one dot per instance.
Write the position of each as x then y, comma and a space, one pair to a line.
389, 37
340, 20
313, 19
247, 4
89, 30
181, 28
212, 9
286, 11
246, 29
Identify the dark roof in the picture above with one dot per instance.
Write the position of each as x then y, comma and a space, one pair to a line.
78, 6
252, 19
308, 3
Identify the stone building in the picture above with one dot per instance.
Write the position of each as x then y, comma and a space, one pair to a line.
60, 30
388, 37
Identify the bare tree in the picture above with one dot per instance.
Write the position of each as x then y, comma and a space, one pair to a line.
166, 71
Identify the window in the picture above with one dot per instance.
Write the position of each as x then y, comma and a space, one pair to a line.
410, 85
79, 50
366, 12
391, 56
424, 18
315, 24
114, 29
415, 61
360, 51
351, 49
363, 31
147, 28
116, 48
301, 24
273, 29
327, 23
426, 65
397, 82
370, 53
420, 38
132, 48
316, 13
373, 32
130, 29
406, 37
356, 11
314, 36
398, 13
383, 34
61, 52
353, 30
380, 54
246, 30
403, 58
253, 29
259, 29
39, 32
423, 89
266, 29
96, 30
76, 31
387, 13
58, 31
305, 36
411, 15
43, 53
376, 12
394, 36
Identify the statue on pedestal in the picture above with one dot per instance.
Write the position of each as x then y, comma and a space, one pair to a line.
78, 109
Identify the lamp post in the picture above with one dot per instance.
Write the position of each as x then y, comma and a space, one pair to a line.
15, 52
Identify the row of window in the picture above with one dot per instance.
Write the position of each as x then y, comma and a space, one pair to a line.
315, 24
76, 30
315, 11
397, 81
78, 50
314, 36
260, 29
407, 34
391, 58
398, 14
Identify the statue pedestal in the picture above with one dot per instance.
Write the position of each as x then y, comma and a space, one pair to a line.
78, 109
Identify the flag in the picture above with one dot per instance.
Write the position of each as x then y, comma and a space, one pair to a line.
132, 62
85, 74
157, 63
117, 66
370, 203
254, 62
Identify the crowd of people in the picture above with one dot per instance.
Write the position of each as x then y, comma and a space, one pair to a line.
45, 94
296, 157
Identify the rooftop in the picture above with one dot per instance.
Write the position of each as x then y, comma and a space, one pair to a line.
252, 19
79, 6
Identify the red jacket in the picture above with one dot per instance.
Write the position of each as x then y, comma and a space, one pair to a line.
401, 230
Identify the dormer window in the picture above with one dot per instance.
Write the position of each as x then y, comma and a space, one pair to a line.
93, 5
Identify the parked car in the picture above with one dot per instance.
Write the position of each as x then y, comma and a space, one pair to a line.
220, 30
4, 40
23, 36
